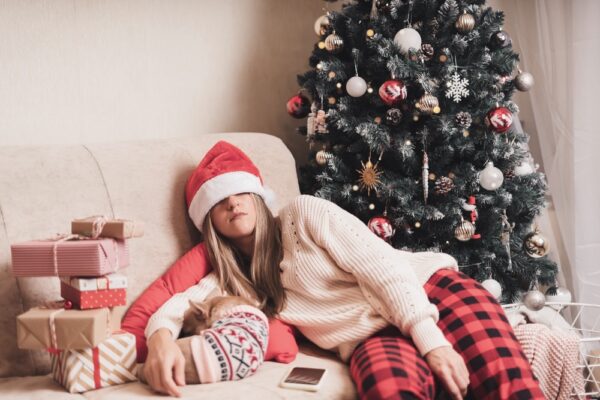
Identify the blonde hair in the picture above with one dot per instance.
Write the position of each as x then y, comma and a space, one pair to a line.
260, 280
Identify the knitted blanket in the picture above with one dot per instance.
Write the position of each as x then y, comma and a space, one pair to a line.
553, 355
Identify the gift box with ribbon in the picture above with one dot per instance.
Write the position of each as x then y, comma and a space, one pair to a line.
100, 226
103, 291
59, 328
111, 363
70, 255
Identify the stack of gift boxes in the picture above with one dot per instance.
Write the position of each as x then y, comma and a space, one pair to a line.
82, 331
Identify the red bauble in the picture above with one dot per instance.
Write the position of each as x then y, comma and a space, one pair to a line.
68, 305
382, 227
392, 92
298, 106
499, 119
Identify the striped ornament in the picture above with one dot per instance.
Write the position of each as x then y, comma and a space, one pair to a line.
111, 363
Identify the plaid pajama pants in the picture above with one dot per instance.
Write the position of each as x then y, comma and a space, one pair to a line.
388, 365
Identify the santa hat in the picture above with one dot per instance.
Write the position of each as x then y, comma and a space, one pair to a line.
224, 171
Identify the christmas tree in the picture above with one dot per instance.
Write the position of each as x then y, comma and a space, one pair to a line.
412, 129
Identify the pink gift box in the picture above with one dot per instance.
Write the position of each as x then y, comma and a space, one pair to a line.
93, 257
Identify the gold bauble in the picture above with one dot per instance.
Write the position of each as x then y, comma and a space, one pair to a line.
322, 157
536, 245
321, 45
370, 33
334, 43
464, 231
428, 104
465, 23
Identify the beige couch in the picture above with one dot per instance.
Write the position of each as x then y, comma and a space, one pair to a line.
43, 188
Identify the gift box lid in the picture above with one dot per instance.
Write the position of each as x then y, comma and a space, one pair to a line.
84, 284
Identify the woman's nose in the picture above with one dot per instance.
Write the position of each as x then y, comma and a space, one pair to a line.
232, 202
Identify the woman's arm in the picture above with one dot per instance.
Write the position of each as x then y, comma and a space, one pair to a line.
385, 273
170, 314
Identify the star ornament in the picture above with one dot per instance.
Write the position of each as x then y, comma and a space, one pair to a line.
369, 177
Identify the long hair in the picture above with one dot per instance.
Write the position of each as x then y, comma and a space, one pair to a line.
260, 279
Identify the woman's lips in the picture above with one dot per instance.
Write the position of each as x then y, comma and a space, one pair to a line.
236, 216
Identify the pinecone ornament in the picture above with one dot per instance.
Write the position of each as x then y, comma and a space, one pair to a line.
393, 116
427, 50
443, 185
509, 174
464, 119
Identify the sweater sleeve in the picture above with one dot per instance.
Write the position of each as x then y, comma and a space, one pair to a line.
170, 314
382, 271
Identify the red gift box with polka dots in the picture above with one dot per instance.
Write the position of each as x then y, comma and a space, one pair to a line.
88, 293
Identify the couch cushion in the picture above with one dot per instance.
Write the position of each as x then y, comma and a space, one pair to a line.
43, 188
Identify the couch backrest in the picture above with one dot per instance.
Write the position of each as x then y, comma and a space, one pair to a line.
43, 188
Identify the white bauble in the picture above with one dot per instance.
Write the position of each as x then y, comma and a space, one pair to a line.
493, 286
356, 86
562, 295
534, 300
491, 178
406, 39
525, 168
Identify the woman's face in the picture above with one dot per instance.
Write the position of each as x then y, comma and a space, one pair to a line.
235, 216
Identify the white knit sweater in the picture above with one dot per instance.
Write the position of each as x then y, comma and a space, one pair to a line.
342, 282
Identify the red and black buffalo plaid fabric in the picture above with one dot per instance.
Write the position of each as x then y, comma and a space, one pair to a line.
388, 366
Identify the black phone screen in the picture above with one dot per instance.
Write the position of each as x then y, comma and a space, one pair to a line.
307, 376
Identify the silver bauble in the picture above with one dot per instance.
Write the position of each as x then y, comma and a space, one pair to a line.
406, 39
356, 86
536, 245
464, 231
334, 43
524, 81
493, 286
322, 157
322, 25
534, 300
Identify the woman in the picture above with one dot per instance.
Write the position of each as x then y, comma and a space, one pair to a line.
406, 322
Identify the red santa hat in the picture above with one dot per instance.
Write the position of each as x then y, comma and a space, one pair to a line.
224, 171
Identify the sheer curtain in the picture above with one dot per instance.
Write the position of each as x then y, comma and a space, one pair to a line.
560, 45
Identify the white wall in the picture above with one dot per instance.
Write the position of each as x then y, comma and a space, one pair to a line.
76, 71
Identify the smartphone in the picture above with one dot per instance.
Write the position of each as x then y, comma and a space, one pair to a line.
304, 378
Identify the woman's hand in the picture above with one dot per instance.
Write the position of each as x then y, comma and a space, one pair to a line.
165, 366
450, 369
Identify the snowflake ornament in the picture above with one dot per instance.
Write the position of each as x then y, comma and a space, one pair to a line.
458, 88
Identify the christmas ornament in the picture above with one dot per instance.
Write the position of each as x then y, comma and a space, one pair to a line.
428, 104
425, 175
369, 176
310, 122
500, 119
524, 81
382, 227
534, 300
524, 168
370, 33
371, 206
320, 122
444, 55
443, 185
470, 206
407, 39
464, 231
558, 295
458, 87
68, 305
427, 50
322, 157
464, 119
491, 178
493, 286
535, 245
356, 86
393, 116
507, 229
500, 40
334, 43
465, 23
392, 92
322, 25
298, 106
